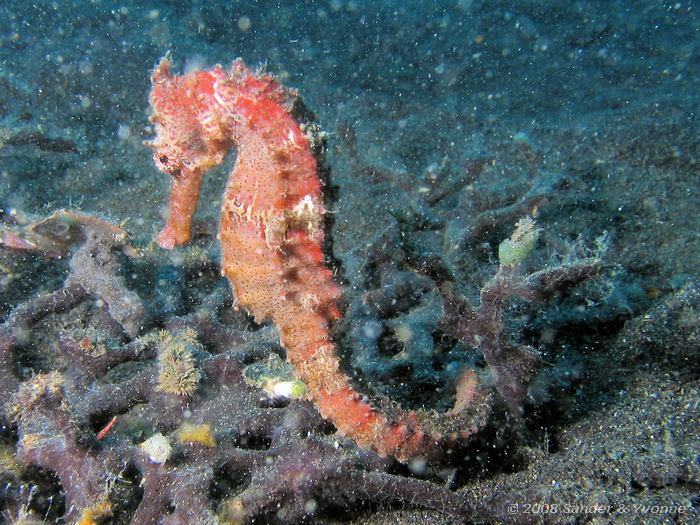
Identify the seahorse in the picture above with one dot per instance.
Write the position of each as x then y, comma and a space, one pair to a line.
272, 238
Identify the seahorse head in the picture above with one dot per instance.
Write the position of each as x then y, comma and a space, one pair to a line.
182, 105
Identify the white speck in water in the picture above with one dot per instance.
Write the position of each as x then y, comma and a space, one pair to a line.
85, 101
417, 465
244, 23
123, 132
372, 329
310, 506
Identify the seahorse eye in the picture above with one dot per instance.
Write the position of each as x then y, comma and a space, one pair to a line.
163, 159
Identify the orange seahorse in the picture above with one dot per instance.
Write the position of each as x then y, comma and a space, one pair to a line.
272, 236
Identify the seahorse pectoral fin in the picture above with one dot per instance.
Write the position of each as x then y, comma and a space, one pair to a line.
183, 204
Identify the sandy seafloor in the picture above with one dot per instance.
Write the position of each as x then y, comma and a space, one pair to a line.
446, 121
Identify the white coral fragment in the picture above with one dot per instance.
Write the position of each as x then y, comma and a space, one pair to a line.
158, 448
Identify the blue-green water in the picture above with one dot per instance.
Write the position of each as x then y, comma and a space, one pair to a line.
447, 123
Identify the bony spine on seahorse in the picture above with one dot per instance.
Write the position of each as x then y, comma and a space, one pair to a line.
272, 237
